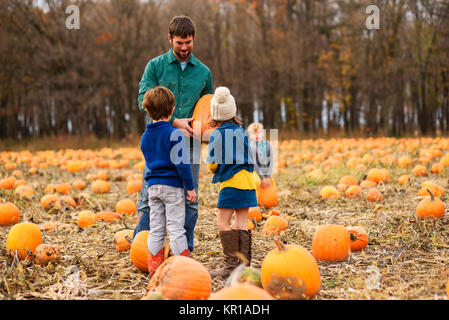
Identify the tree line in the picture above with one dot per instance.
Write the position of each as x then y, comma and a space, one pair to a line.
310, 66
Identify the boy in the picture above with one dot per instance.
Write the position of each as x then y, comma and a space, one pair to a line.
263, 154
166, 157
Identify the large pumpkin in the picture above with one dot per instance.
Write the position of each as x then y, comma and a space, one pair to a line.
201, 113
290, 272
331, 242
22, 238
241, 291
181, 278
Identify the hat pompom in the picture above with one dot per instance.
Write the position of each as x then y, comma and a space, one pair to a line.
222, 94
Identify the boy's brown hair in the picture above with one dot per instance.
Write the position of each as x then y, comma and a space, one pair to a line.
181, 26
158, 102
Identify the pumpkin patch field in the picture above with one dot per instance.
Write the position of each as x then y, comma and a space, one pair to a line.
349, 219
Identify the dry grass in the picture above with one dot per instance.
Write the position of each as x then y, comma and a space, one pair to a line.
411, 255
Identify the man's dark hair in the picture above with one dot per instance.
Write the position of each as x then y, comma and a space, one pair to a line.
158, 102
181, 26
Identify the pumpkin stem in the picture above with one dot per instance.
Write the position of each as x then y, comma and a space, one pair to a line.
280, 245
166, 247
352, 236
128, 239
432, 197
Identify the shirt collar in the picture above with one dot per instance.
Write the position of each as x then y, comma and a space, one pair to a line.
172, 59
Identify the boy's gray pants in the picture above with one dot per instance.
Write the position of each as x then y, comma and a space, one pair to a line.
167, 212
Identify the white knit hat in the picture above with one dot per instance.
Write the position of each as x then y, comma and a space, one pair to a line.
222, 105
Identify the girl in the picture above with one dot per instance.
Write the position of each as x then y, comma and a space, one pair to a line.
230, 159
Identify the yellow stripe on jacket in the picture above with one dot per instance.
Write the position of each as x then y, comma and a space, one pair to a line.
243, 180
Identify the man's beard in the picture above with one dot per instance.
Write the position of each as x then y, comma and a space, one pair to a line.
182, 56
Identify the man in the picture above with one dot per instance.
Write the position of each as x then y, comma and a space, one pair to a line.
189, 80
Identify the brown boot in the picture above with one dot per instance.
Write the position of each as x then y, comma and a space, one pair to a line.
230, 244
245, 242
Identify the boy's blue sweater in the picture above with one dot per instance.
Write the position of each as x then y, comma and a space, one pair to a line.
159, 143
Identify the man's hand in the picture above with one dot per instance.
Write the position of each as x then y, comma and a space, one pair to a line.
183, 124
191, 195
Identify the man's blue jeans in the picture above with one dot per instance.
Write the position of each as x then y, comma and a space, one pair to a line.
143, 209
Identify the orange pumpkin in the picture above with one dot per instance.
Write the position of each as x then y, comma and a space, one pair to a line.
358, 237
49, 226
138, 252
404, 179
290, 272
134, 186
374, 195
420, 171
9, 214
24, 191
120, 241
254, 213
108, 216
23, 238
67, 201
268, 197
331, 242
274, 225
182, 278
353, 191
50, 200
430, 207
367, 184
86, 218
273, 212
201, 113
348, 180
241, 291
126, 206
7, 183
63, 188
101, 186
79, 184
46, 253
329, 192
433, 187
377, 175
437, 167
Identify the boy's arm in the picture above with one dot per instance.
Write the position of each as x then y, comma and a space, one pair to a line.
183, 167
148, 81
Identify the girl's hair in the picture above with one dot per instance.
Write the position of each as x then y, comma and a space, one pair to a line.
255, 126
235, 120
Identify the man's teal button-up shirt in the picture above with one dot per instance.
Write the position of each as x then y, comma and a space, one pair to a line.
188, 85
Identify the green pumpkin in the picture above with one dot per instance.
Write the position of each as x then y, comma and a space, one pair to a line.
252, 276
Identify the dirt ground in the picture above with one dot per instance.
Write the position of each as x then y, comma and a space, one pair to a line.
406, 258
